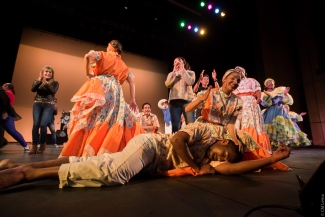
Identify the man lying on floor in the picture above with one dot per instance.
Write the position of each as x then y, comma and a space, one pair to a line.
145, 153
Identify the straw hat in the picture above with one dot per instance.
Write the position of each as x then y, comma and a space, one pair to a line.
161, 103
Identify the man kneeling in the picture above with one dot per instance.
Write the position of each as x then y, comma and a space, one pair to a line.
144, 153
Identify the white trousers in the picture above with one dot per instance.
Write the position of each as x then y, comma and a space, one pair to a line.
111, 169
168, 129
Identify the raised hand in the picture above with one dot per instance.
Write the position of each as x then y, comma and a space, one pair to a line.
41, 76
201, 75
205, 95
214, 75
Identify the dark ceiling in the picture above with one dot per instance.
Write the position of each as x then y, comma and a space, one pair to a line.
152, 28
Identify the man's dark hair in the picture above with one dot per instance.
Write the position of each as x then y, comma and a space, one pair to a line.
146, 103
235, 149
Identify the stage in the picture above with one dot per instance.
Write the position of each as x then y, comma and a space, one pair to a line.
213, 195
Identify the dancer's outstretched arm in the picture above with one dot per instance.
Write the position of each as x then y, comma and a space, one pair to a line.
227, 168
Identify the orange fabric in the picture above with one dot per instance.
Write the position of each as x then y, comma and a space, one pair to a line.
260, 153
100, 120
100, 140
246, 94
113, 65
185, 171
262, 139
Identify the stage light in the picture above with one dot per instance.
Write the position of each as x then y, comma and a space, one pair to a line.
209, 7
196, 29
223, 14
182, 24
189, 27
216, 10
202, 4
202, 32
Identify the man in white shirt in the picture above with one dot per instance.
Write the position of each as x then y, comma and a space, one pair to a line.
148, 121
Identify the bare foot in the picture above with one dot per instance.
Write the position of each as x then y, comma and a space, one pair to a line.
11, 177
7, 164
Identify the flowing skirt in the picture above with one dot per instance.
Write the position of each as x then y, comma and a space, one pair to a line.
302, 139
250, 120
100, 120
280, 128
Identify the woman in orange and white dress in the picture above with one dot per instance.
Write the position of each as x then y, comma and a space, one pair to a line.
250, 119
100, 120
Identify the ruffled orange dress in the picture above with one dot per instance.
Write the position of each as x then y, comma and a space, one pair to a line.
100, 120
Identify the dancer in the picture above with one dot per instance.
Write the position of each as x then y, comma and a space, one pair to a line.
277, 122
204, 80
295, 117
180, 82
45, 87
100, 120
220, 107
163, 105
250, 119
146, 153
7, 120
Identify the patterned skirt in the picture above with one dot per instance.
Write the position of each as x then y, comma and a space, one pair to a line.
280, 127
250, 120
100, 120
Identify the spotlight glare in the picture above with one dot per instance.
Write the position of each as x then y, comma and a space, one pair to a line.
182, 24
209, 7
216, 10
223, 14
202, 4
189, 27
196, 29
202, 32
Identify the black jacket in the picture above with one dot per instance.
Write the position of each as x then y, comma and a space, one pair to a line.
45, 92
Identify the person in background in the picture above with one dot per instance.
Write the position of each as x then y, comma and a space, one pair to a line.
45, 88
180, 82
7, 120
295, 117
163, 105
10, 91
277, 123
204, 81
148, 121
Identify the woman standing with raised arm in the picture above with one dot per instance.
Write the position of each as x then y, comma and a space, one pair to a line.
45, 87
180, 82
100, 120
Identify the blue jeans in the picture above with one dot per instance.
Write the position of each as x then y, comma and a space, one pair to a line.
51, 126
177, 108
9, 126
42, 113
